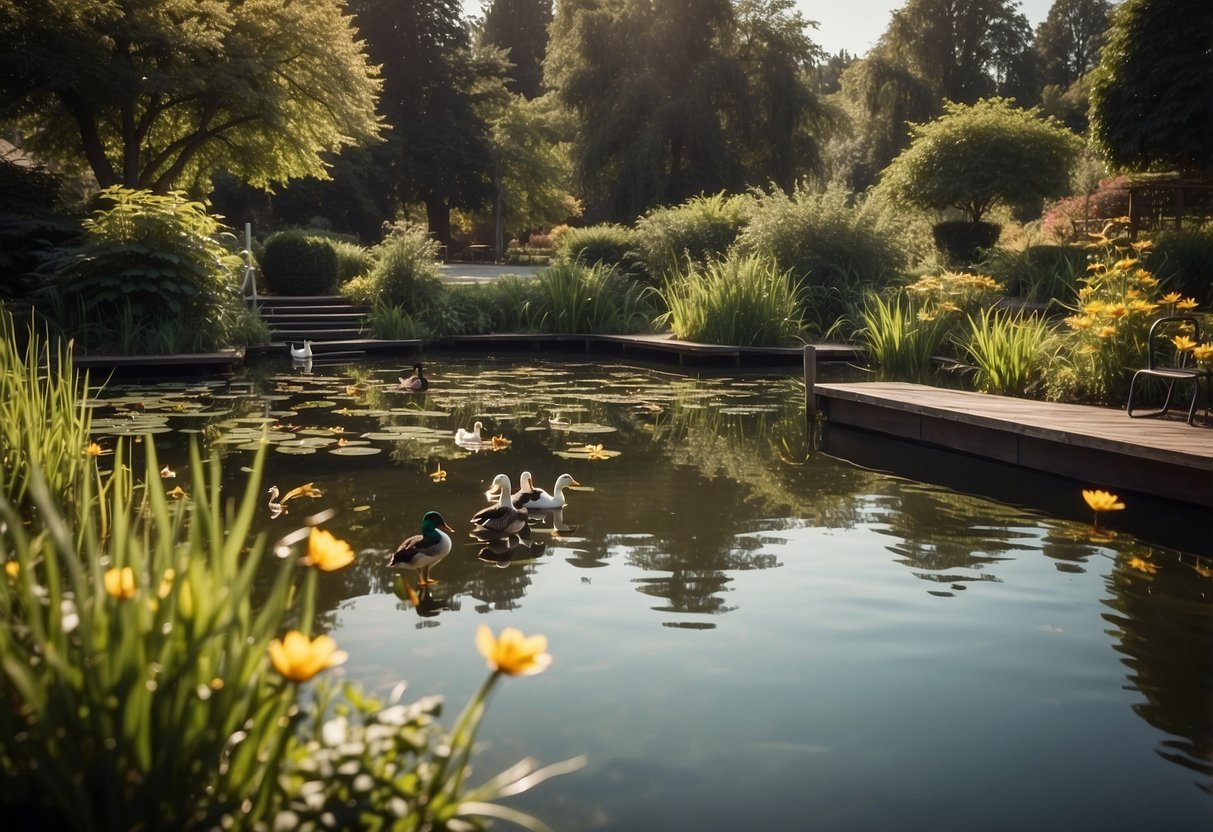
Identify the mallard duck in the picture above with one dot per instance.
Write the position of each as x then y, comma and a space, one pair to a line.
416, 383
503, 518
422, 551
543, 500
301, 354
469, 437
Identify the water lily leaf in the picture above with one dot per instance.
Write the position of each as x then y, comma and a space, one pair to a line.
355, 450
295, 450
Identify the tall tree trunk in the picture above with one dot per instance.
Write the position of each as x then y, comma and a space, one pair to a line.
498, 212
438, 217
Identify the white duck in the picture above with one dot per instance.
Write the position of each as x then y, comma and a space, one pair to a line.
501, 519
471, 437
302, 354
540, 499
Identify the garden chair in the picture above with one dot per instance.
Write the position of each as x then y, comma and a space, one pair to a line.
1171, 366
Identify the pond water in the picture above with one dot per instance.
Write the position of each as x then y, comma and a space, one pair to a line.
747, 634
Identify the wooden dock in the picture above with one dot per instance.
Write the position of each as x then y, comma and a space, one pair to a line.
1098, 446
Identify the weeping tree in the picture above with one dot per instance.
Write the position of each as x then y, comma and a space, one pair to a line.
160, 94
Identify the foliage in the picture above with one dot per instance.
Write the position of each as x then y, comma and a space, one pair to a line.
521, 28
460, 312
606, 244
406, 271
392, 323
163, 93
137, 687
1068, 218
699, 229
683, 97
247, 328
830, 246
297, 262
1009, 350
740, 300
1038, 273
353, 260
973, 157
576, 298
44, 425
1069, 39
31, 224
1183, 260
149, 275
510, 302
962, 243
1152, 93
1106, 334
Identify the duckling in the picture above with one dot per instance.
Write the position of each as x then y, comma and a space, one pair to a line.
501, 519
469, 437
301, 354
422, 551
416, 383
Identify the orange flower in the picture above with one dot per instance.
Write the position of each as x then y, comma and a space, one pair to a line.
1102, 500
513, 653
120, 583
438, 475
1142, 566
327, 553
177, 493
299, 658
501, 442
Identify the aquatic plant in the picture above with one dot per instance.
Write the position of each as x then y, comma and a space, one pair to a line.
740, 300
1010, 351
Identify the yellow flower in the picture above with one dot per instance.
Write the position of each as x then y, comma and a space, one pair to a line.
438, 475
1125, 263
1085, 292
1171, 297
94, 449
596, 452
1183, 343
501, 442
299, 658
1100, 501
120, 583
1142, 566
1187, 303
1117, 310
513, 653
1106, 331
166, 583
1142, 245
1144, 278
306, 490
177, 493
1203, 353
924, 315
1094, 307
12, 569
342, 442
1078, 322
1143, 307
327, 553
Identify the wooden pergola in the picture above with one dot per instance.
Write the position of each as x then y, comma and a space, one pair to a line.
1155, 203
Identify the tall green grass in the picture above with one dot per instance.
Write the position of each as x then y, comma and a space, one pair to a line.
742, 301
1010, 351
579, 299
899, 343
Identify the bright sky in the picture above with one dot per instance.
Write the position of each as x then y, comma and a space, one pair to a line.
853, 25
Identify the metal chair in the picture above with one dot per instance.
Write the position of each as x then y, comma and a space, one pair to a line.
1179, 369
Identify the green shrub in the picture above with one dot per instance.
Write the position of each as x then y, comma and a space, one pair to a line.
901, 340
406, 272
461, 312
1183, 261
511, 303
700, 229
741, 301
961, 242
392, 323
1040, 273
297, 262
353, 260
150, 274
607, 245
575, 298
827, 244
1010, 352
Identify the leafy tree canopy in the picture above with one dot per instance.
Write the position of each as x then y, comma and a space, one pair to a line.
157, 94
974, 156
520, 27
1152, 93
1069, 39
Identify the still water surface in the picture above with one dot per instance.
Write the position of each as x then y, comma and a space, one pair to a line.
746, 634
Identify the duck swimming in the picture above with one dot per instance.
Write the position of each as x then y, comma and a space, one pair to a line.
541, 499
422, 551
416, 383
470, 437
501, 519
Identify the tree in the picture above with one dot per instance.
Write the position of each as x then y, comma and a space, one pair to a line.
1152, 93
431, 85
1069, 39
975, 156
520, 27
158, 94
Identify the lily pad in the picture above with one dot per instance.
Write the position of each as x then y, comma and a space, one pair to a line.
355, 450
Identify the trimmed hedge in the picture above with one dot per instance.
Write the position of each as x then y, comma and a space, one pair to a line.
297, 263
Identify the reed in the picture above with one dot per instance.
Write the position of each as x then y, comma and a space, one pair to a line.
740, 301
1011, 352
900, 342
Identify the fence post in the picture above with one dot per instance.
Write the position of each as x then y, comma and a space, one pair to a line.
810, 379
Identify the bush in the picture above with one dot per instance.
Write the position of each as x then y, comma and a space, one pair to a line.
406, 272
1010, 352
298, 263
1069, 219
1038, 273
392, 323
150, 274
741, 301
961, 242
1183, 261
828, 245
607, 245
700, 229
577, 299
353, 260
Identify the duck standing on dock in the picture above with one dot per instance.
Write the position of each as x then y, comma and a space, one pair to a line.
417, 382
301, 354
502, 519
422, 551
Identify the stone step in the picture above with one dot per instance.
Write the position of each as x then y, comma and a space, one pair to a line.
304, 319
300, 335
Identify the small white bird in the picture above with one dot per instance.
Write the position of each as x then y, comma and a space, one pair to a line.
501, 519
301, 354
540, 499
469, 437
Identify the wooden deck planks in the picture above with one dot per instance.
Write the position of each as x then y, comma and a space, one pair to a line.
1165, 457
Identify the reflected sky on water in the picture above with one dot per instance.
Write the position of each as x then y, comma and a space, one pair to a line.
747, 633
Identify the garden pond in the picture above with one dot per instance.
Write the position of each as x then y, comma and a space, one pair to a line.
746, 632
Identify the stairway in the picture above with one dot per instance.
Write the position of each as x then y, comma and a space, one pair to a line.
317, 318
